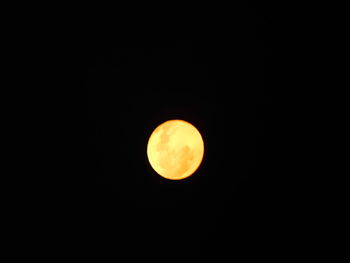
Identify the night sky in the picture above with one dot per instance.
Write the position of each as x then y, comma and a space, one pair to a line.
213, 78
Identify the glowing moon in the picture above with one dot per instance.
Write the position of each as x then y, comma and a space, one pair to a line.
175, 149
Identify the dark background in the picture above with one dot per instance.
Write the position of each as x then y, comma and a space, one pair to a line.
211, 74
215, 82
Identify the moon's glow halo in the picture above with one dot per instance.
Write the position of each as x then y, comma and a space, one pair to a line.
175, 149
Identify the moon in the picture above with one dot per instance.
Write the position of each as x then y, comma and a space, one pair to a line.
175, 149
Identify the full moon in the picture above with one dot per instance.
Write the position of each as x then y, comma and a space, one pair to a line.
175, 149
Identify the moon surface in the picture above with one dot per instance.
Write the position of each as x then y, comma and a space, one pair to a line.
175, 149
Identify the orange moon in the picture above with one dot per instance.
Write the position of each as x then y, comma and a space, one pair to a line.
175, 149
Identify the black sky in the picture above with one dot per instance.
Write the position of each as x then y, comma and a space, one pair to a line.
213, 77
